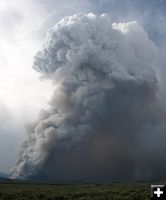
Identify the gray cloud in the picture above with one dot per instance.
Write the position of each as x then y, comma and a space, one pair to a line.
104, 120
11, 133
19, 84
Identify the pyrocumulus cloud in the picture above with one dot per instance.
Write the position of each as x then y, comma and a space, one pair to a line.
104, 121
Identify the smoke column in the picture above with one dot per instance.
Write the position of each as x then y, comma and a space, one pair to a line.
104, 120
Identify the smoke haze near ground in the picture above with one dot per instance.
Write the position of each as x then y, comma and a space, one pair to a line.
105, 120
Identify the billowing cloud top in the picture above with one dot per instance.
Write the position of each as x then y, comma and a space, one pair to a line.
74, 40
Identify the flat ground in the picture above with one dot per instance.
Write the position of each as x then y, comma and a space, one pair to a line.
31, 191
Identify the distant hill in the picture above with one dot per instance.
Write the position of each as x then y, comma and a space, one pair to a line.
3, 175
6, 178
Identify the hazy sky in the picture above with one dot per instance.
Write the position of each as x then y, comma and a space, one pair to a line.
23, 26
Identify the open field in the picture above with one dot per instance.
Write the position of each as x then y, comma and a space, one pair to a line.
31, 191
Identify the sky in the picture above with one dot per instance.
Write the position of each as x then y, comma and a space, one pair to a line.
23, 27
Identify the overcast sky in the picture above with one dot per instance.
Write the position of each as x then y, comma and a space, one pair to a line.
23, 26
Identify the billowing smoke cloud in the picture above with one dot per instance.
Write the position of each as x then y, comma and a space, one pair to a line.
104, 121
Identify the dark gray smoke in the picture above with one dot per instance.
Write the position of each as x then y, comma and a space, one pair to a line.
104, 120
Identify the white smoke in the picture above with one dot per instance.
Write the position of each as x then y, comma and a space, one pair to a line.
105, 90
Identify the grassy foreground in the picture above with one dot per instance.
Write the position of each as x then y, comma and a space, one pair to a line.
31, 191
